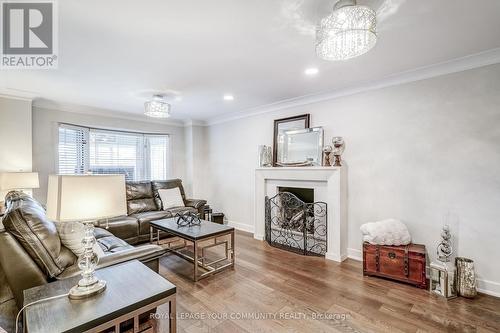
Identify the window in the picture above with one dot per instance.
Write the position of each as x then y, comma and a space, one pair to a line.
88, 150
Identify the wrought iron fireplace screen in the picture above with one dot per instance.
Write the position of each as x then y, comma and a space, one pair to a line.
294, 225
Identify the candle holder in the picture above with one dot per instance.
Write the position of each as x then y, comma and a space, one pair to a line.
338, 150
327, 151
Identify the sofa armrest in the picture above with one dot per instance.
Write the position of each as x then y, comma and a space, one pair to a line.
21, 272
143, 253
198, 204
195, 203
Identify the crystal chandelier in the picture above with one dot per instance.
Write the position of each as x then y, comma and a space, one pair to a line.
157, 107
349, 31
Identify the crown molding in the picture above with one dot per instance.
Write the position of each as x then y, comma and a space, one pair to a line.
477, 60
16, 96
89, 110
191, 122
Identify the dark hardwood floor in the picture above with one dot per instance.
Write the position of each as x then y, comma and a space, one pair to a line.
291, 292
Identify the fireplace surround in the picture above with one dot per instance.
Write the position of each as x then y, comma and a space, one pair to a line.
330, 186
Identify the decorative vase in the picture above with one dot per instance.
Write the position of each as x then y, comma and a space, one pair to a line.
265, 156
466, 277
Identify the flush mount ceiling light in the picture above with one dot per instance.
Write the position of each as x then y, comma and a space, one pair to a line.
157, 107
311, 71
349, 31
228, 97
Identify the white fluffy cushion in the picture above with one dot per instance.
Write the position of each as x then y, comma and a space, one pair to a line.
71, 235
171, 197
386, 232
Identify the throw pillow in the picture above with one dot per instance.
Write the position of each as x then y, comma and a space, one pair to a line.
71, 235
170, 198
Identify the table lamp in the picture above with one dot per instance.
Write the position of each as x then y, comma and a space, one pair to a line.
17, 181
86, 198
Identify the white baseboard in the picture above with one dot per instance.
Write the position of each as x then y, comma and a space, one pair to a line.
335, 257
241, 226
355, 254
258, 237
488, 287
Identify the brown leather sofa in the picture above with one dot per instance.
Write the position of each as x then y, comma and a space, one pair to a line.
143, 206
31, 252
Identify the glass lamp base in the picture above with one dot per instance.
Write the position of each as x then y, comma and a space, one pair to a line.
79, 292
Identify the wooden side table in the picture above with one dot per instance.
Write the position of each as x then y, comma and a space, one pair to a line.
132, 292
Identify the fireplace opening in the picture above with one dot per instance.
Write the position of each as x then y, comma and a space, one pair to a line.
304, 194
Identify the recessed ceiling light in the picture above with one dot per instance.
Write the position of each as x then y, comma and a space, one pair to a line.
311, 71
228, 97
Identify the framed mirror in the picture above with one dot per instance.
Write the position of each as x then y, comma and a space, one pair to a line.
287, 124
300, 147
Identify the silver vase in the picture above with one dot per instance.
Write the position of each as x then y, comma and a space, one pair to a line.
265, 156
466, 277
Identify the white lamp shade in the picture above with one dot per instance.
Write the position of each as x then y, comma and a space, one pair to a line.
18, 180
85, 197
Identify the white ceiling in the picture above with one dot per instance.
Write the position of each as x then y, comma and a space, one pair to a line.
113, 53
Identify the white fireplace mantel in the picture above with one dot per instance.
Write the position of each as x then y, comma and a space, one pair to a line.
332, 185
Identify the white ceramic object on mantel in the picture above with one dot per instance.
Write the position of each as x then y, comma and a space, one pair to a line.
330, 186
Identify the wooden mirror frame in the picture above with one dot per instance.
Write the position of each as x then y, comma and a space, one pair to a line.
277, 122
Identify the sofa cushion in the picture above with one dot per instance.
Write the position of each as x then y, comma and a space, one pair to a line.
166, 184
182, 210
25, 219
139, 190
147, 254
140, 206
110, 243
124, 227
146, 217
140, 197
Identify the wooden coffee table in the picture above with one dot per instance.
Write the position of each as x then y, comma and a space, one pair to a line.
211, 234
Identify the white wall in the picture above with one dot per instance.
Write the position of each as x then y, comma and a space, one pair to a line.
200, 166
188, 143
197, 172
419, 152
45, 138
15, 135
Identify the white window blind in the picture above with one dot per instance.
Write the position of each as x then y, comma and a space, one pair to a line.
137, 156
157, 155
73, 155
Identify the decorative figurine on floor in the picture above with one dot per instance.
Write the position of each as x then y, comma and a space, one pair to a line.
443, 274
187, 219
327, 150
444, 249
338, 149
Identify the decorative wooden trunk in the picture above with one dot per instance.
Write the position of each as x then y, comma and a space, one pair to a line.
401, 263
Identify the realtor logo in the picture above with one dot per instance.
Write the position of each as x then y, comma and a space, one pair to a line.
29, 34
